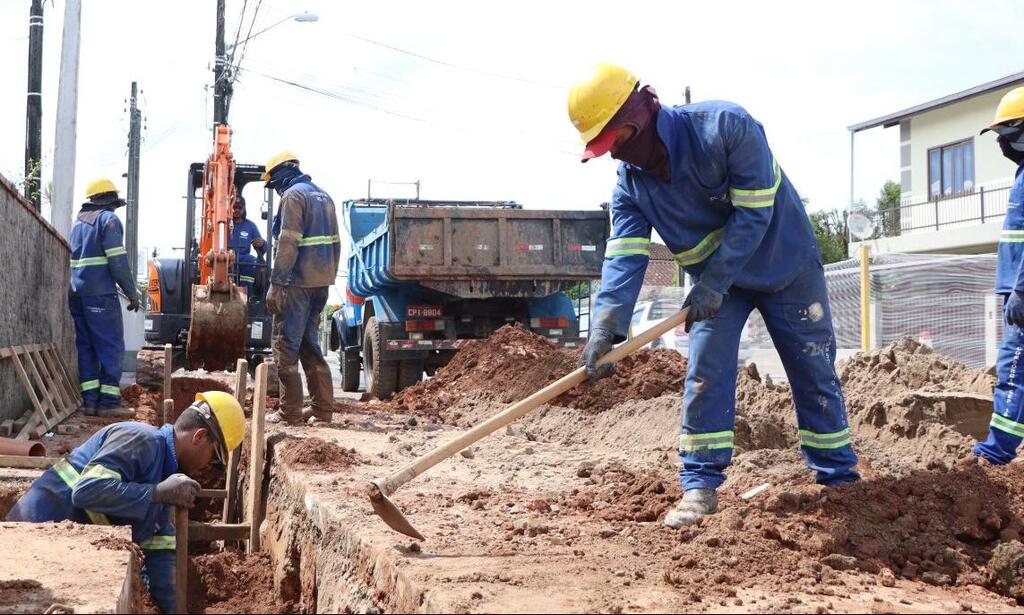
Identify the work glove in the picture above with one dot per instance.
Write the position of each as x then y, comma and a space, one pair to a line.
600, 342
704, 302
176, 490
134, 305
1013, 311
275, 299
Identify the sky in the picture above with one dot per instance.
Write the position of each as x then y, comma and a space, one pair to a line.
469, 98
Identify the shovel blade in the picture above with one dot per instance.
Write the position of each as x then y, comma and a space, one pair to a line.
388, 512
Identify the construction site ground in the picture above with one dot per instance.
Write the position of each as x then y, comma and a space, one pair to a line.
563, 511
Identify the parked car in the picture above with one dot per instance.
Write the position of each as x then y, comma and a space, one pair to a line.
646, 314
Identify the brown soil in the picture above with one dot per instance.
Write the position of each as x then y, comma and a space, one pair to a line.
314, 453
233, 582
514, 363
148, 403
10, 493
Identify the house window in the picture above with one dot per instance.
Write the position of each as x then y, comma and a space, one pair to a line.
951, 169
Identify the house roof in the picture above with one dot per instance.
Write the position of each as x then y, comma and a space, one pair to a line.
661, 252
893, 119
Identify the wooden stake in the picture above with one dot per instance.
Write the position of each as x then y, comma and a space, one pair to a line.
231, 477
168, 411
181, 553
256, 457
168, 368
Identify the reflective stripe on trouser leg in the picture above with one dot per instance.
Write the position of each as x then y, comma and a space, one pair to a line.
709, 402
1006, 430
800, 324
88, 363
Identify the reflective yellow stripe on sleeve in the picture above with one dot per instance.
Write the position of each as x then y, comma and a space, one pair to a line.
1008, 236
318, 240
88, 262
762, 197
115, 251
159, 543
627, 246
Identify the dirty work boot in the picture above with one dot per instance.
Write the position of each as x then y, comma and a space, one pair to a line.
311, 416
695, 504
278, 416
88, 410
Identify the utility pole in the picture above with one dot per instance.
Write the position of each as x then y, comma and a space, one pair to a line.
34, 105
222, 78
65, 139
131, 240
686, 94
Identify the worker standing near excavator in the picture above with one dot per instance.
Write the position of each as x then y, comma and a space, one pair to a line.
305, 266
704, 177
99, 265
131, 473
1006, 429
245, 236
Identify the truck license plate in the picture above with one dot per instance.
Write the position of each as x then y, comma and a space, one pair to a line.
423, 311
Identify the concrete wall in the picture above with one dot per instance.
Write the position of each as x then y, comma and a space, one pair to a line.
957, 122
34, 277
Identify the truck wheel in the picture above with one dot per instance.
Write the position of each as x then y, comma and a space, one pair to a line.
381, 376
409, 372
350, 367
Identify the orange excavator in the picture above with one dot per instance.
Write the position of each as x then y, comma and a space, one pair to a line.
219, 317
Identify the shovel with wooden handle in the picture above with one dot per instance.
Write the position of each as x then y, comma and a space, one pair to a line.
379, 490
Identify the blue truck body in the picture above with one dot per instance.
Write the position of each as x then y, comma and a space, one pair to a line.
426, 277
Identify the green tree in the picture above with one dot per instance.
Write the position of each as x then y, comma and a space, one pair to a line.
831, 234
888, 208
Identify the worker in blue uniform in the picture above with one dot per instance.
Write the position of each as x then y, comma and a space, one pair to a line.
305, 266
132, 473
245, 236
1006, 429
99, 265
704, 177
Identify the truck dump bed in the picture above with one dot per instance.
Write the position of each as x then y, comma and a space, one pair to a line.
472, 249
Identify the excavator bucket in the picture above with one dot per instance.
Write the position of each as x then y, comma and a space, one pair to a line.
216, 334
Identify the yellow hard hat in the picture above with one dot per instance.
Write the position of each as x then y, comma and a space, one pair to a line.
99, 185
594, 101
276, 160
229, 415
1011, 107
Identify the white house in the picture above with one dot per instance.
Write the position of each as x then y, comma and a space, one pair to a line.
955, 182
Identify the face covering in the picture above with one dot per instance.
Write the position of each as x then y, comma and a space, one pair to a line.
282, 176
1011, 141
644, 149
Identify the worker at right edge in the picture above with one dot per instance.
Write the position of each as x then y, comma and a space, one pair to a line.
305, 266
1007, 427
703, 176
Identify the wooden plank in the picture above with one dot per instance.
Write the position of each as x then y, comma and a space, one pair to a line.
168, 369
27, 384
181, 528
213, 493
62, 384
256, 457
29, 427
168, 411
67, 375
49, 380
28, 463
217, 531
50, 418
6, 428
228, 513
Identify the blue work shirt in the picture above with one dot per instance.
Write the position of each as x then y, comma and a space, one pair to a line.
242, 235
99, 261
1009, 276
728, 212
308, 244
109, 480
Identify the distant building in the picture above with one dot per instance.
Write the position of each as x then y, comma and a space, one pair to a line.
663, 270
954, 182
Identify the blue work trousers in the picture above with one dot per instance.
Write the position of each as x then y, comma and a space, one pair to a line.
295, 341
1006, 430
800, 324
99, 336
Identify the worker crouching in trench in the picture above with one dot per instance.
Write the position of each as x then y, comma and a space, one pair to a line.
131, 473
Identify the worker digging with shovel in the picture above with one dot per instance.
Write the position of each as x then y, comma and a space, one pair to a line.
704, 177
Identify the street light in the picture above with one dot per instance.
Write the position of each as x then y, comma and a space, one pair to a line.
304, 17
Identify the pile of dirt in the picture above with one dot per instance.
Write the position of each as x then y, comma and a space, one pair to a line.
317, 454
233, 582
514, 363
943, 527
148, 403
10, 493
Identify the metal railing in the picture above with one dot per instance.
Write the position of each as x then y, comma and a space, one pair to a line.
979, 206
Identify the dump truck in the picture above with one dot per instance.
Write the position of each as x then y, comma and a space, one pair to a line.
427, 277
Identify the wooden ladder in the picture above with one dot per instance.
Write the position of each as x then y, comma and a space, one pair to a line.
45, 377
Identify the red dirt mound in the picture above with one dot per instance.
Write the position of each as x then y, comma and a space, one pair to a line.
318, 454
232, 582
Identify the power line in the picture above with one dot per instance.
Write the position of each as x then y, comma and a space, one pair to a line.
451, 65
